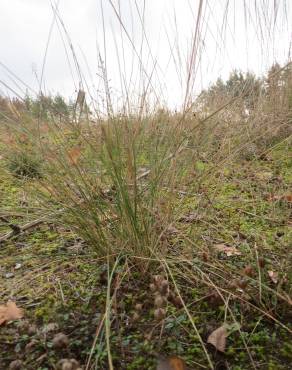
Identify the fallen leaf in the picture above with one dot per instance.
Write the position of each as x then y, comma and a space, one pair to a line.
287, 198
273, 276
218, 338
74, 155
9, 275
229, 251
171, 363
10, 312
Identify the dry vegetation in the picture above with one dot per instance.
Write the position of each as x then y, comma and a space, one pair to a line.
151, 239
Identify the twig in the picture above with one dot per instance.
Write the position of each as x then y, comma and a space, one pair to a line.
16, 229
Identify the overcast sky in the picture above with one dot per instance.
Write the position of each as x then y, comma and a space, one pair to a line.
35, 45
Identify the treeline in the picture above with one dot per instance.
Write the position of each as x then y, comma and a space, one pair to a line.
43, 107
270, 93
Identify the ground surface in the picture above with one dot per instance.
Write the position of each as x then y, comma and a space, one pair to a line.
62, 286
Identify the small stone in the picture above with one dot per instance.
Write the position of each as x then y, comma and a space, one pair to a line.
9, 275
17, 266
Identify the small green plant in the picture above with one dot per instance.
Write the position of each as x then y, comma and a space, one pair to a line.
24, 165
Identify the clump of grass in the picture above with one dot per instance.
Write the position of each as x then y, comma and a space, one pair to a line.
122, 181
23, 164
116, 183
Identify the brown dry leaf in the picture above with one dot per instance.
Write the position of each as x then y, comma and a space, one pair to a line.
229, 251
74, 155
218, 338
273, 276
287, 198
10, 312
171, 363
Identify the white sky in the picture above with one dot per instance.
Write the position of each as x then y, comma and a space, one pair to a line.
241, 35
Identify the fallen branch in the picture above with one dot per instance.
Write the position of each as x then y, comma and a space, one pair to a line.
17, 230
20, 229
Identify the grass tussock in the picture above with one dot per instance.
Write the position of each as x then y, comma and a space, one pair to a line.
150, 229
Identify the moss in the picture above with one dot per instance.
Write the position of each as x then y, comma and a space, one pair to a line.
56, 284
286, 350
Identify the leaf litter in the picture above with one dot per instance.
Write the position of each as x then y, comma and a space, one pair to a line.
218, 337
10, 312
229, 251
